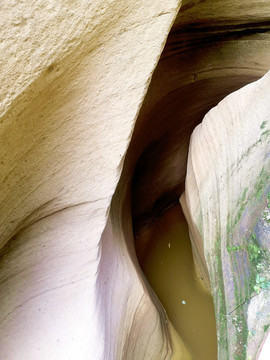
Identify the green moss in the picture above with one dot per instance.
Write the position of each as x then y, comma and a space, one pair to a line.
233, 248
263, 124
266, 133
255, 263
220, 304
266, 217
240, 324
260, 183
241, 204
245, 199
258, 263
261, 284
257, 281
266, 327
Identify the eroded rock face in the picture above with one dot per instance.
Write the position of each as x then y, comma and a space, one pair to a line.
213, 49
73, 79
227, 186
73, 87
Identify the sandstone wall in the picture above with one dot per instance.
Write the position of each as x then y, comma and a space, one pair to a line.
73, 76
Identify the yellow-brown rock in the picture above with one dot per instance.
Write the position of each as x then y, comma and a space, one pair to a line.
96, 118
73, 76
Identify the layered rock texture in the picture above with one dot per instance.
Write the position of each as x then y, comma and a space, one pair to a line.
228, 198
92, 153
73, 77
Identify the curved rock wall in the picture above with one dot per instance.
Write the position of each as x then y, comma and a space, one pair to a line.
227, 184
213, 49
73, 77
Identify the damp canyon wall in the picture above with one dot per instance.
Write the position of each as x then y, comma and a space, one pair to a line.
96, 118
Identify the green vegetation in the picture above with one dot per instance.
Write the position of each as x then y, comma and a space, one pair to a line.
263, 124
219, 300
240, 324
252, 264
261, 284
266, 327
254, 250
258, 280
241, 204
234, 248
257, 264
266, 132
260, 183
266, 213
245, 198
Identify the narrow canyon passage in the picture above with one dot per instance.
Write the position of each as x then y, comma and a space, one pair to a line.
165, 255
101, 132
203, 61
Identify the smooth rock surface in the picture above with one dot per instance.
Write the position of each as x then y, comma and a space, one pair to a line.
226, 192
214, 48
73, 76
74, 79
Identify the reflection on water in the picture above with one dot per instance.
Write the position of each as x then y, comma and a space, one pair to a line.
166, 260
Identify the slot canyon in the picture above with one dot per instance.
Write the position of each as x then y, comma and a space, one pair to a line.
135, 180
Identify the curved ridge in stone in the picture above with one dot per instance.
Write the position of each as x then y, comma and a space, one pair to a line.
227, 184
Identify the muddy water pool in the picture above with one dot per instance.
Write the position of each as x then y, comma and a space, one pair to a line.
166, 259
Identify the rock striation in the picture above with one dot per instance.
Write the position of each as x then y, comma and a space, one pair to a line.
73, 76
97, 111
226, 198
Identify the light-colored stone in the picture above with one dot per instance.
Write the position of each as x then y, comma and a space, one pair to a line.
226, 191
74, 79
73, 76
